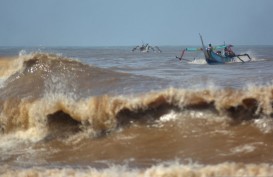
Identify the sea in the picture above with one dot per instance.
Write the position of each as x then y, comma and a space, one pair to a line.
108, 111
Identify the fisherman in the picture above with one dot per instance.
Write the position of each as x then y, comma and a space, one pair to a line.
229, 52
209, 49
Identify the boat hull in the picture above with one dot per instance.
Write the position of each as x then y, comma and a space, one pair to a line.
214, 58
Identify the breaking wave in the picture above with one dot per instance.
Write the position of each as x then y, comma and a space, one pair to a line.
42, 91
172, 169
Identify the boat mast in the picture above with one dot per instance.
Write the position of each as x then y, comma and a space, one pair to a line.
204, 48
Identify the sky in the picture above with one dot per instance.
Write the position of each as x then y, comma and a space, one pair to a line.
129, 23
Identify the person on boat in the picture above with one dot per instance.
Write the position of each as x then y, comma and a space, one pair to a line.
209, 49
229, 52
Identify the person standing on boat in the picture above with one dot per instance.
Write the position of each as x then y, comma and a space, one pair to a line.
209, 49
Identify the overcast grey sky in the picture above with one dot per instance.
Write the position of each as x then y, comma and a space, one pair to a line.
128, 22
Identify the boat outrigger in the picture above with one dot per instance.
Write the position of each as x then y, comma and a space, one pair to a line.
217, 57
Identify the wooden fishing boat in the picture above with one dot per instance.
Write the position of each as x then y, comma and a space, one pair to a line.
215, 55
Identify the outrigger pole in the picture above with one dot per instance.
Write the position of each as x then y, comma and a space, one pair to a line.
180, 58
238, 56
191, 49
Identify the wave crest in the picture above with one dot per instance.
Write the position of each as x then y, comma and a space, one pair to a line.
106, 113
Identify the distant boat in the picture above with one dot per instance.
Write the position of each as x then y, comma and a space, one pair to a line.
146, 48
215, 55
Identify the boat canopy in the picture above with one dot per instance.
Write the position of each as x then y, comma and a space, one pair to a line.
218, 47
193, 49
